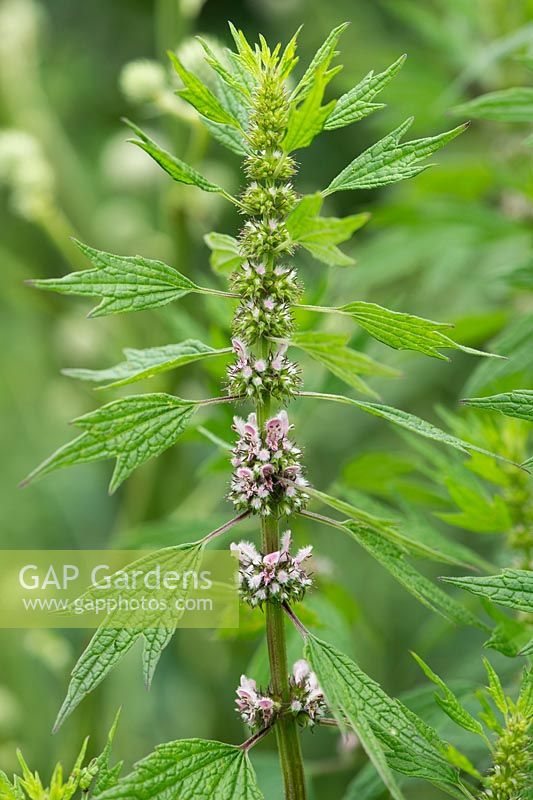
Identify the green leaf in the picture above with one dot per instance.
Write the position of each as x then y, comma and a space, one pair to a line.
347, 364
320, 235
518, 403
155, 640
177, 169
199, 96
407, 421
449, 703
225, 255
140, 364
404, 331
528, 649
189, 769
306, 120
381, 524
431, 546
512, 588
125, 283
392, 735
109, 645
392, 558
132, 430
321, 60
525, 699
479, 512
495, 688
357, 103
107, 775
388, 161
225, 74
505, 105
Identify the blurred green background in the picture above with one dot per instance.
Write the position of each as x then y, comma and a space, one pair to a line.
441, 246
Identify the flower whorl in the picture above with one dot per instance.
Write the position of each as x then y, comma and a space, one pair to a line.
267, 473
279, 576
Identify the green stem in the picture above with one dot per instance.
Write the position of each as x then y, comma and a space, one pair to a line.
287, 735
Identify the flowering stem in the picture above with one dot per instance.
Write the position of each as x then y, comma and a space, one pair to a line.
287, 735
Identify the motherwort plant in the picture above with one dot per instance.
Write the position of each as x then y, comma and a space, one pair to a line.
261, 113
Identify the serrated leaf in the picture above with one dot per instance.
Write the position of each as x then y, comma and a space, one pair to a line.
155, 640
236, 85
107, 775
495, 688
307, 119
525, 699
479, 512
392, 558
505, 105
512, 588
392, 735
528, 649
189, 769
125, 283
518, 403
200, 96
321, 60
320, 235
225, 255
108, 645
132, 430
515, 343
140, 364
357, 103
360, 515
175, 167
407, 421
432, 546
332, 351
404, 331
449, 703
388, 161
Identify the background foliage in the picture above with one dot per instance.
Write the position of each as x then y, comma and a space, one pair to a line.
448, 245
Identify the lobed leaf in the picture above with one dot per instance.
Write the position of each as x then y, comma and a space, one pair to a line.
307, 119
200, 96
229, 78
321, 61
495, 688
392, 558
175, 167
518, 403
450, 704
109, 644
429, 544
409, 422
320, 235
357, 103
392, 735
125, 283
512, 588
332, 351
189, 769
140, 364
404, 331
107, 775
388, 161
505, 105
131, 430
